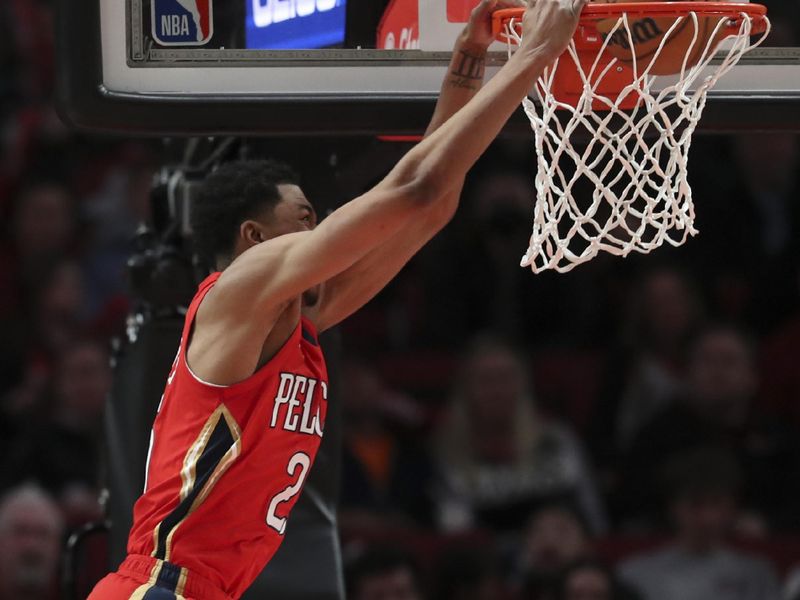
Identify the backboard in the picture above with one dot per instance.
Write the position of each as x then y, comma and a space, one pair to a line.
310, 67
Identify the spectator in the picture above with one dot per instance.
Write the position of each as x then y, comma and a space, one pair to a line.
556, 536
30, 542
483, 287
44, 223
112, 213
483, 268
718, 408
500, 455
698, 564
465, 573
43, 228
386, 479
792, 587
60, 316
30, 43
30, 348
62, 453
383, 574
585, 580
645, 372
751, 229
780, 385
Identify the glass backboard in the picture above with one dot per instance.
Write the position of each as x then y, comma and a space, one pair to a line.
204, 67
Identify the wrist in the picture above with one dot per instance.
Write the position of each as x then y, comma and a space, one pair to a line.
534, 59
469, 43
538, 54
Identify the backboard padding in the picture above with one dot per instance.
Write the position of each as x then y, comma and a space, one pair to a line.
112, 79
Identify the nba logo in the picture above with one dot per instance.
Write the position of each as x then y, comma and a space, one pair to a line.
182, 22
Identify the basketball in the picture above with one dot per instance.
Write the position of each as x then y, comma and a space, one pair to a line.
647, 33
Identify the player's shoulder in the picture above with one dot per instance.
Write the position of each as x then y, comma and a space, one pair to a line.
207, 284
251, 277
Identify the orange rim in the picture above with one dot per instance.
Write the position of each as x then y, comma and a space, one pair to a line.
597, 11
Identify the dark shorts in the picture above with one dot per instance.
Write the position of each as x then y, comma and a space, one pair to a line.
145, 578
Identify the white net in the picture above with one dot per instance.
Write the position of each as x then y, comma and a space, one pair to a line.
615, 180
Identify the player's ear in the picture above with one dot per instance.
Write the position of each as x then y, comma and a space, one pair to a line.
251, 232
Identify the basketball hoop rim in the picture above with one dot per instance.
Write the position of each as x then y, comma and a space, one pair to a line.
604, 84
598, 11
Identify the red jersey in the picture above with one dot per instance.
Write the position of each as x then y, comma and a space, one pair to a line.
227, 463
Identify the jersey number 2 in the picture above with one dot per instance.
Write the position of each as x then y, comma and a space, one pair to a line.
303, 462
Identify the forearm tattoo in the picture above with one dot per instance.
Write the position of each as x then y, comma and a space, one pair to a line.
467, 70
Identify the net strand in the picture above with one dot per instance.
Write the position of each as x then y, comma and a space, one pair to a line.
635, 160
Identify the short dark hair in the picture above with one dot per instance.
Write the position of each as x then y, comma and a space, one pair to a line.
376, 561
233, 193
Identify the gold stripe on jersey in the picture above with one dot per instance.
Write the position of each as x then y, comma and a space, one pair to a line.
181, 582
139, 592
227, 459
189, 469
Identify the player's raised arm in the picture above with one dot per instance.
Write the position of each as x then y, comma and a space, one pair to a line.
278, 270
466, 70
444, 157
352, 288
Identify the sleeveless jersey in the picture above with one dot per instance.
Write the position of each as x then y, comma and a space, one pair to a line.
227, 463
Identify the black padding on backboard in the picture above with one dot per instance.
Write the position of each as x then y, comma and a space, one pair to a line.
84, 103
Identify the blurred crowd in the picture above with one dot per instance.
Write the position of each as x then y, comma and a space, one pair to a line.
630, 430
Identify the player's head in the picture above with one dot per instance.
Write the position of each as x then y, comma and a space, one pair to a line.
244, 203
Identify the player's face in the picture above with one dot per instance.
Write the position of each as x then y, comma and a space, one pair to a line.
294, 212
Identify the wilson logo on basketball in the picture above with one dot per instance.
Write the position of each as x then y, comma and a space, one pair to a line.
642, 31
